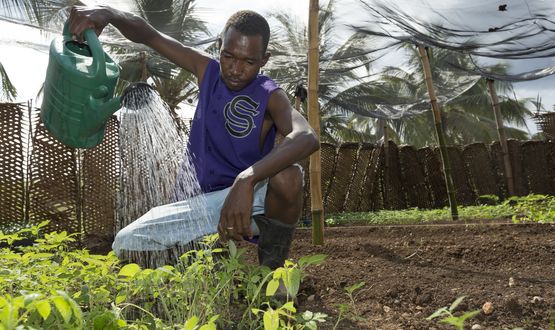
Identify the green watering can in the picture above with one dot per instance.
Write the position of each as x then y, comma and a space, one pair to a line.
79, 90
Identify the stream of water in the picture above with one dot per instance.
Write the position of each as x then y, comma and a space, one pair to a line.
156, 171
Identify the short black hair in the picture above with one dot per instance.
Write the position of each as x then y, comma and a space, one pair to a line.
250, 23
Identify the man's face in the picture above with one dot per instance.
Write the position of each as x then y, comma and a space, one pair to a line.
241, 58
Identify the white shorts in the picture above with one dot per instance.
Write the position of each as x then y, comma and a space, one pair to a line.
180, 223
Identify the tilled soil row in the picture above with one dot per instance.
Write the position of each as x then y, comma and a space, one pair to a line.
411, 271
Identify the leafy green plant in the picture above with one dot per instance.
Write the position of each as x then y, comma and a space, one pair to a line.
274, 319
291, 275
532, 208
416, 215
48, 284
350, 310
310, 320
35, 310
284, 317
446, 313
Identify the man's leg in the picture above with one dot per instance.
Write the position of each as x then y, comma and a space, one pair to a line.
284, 198
283, 206
165, 232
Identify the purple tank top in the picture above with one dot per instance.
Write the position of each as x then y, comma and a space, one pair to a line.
226, 128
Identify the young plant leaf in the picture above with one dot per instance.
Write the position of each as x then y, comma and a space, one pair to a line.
456, 303
232, 249
63, 307
191, 323
289, 306
271, 320
120, 298
44, 309
129, 270
312, 260
293, 281
438, 313
355, 287
272, 287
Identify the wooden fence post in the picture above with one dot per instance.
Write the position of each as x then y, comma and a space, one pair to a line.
440, 133
315, 167
502, 138
386, 195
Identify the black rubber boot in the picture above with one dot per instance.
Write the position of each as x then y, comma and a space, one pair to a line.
274, 241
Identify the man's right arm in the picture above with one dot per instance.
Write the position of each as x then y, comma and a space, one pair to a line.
138, 30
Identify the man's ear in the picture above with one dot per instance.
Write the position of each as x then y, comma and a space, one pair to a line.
219, 43
265, 58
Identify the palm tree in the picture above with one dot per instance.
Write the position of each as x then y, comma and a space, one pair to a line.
34, 12
42, 14
341, 65
399, 96
177, 19
8, 92
466, 108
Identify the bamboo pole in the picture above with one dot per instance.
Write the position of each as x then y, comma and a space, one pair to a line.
386, 203
439, 132
502, 137
315, 168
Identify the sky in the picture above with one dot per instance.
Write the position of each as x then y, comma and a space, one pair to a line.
26, 65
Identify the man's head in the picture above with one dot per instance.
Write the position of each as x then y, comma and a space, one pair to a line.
243, 48
250, 23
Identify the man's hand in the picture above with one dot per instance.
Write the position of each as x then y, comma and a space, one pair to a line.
82, 18
235, 216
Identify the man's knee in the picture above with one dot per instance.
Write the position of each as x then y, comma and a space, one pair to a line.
288, 183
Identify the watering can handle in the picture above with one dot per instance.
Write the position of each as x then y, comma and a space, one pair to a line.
99, 62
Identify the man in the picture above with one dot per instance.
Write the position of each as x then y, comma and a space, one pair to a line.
232, 136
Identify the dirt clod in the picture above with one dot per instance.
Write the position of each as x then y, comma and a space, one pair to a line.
487, 307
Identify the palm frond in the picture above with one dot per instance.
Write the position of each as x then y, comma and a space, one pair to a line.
8, 92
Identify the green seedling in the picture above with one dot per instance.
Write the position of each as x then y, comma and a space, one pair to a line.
350, 310
446, 313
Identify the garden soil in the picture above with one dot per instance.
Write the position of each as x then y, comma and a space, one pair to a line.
506, 271
411, 271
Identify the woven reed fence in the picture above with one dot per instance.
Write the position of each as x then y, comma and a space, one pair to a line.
358, 178
41, 179
77, 190
546, 123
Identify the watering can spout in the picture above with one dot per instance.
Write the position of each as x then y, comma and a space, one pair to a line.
136, 96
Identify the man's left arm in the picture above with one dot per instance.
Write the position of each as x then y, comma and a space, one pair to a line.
299, 142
